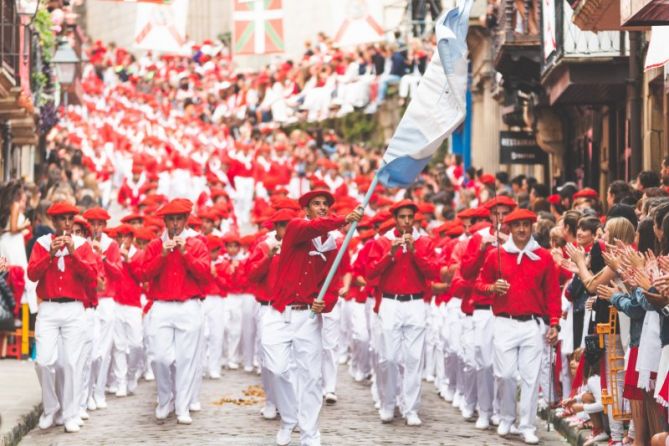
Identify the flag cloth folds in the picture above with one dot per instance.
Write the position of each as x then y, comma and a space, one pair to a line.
437, 108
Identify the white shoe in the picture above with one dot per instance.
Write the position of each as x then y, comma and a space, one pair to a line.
343, 360
494, 420
386, 415
529, 437
149, 376
248, 369
79, 421
184, 419
72, 426
447, 394
467, 414
429, 378
122, 392
542, 404
283, 436
233, 365
268, 412
91, 406
359, 376
195, 407
59, 420
457, 399
504, 428
514, 430
132, 386
163, 413
45, 421
330, 399
377, 405
83, 414
214, 375
593, 439
111, 389
413, 420
482, 423
102, 404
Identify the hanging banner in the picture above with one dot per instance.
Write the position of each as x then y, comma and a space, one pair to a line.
162, 27
359, 22
658, 50
258, 27
520, 148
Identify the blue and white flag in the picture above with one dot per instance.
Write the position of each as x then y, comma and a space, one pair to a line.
438, 106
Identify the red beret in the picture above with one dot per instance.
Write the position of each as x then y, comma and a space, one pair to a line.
479, 212
366, 235
520, 214
280, 215
79, 220
406, 203
306, 198
500, 200
487, 179
554, 199
125, 229
209, 214
194, 221
214, 242
131, 217
456, 230
386, 226
365, 222
473, 229
62, 208
144, 234
285, 203
96, 214
176, 207
426, 208
380, 217
231, 237
586, 192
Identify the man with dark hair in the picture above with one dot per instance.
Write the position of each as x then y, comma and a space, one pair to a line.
618, 190
517, 184
646, 179
538, 192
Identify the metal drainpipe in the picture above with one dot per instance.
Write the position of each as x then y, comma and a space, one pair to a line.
6, 150
634, 103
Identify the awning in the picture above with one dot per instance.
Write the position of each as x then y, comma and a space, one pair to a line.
658, 50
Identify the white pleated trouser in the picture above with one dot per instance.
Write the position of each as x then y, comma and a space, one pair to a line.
248, 342
484, 329
127, 346
331, 336
518, 347
233, 329
293, 351
402, 344
360, 334
62, 323
176, 328
103, 354
431, 341
146, 329
345, 329
91, 332
265, 373
450, 334
468, 358
375, 340
214, 328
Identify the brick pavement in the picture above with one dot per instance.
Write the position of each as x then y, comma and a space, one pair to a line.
353, 421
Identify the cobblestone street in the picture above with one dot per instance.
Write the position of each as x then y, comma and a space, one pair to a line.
353, 421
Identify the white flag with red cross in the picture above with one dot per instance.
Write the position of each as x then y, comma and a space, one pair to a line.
358, 22
161, 26
258, 27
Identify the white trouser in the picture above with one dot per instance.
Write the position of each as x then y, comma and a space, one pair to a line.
214, 327
468, 363
292, 351
176, 328
233, 330
103, 355
64, 323
331, 340
402, 344
431, 341
375, 340
265, 373
249, 310
127, 346
360, 333
450, 334
484, 329
146, 328
345, 328
86, 360
518, 347
243, 199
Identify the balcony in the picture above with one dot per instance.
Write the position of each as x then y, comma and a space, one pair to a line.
517, 41
584, 67
644, 12
9, 46
597, 15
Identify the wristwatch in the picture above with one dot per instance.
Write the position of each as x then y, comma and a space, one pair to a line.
665, 311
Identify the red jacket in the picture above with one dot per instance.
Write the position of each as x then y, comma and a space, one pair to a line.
534, 286
263, 271
302, 274
111, 267
176, 276
130, 290
232, 275
53, 283
403, 273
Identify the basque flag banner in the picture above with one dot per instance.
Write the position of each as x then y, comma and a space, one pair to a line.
437, 108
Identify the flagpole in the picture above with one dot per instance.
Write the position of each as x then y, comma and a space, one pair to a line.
347, 241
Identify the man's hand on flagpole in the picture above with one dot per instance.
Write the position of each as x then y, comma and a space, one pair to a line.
356, 215
318, 306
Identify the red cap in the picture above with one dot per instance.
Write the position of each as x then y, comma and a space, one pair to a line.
279, 216
96, 214
176, 207
208, 214
554, 199
79, 220
406, 203
479, 212
144, 234
366, 235
380, 217
131, 217
426, 208
587, 192
62, 208
285, 203
500, 200
231, 237
386, 226
306, 198
214, 242
194, 221
520, 214
455, 230
487, 179
478, 226
125, 229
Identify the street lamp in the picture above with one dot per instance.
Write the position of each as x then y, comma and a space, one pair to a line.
65, 60
27, 8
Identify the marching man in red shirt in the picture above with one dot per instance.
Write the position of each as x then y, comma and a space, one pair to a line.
174, 265
60, 263
291, 337
403, 262
523, 281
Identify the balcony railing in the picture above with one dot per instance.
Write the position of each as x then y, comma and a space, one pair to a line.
517, 23
9, 38
578, 43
